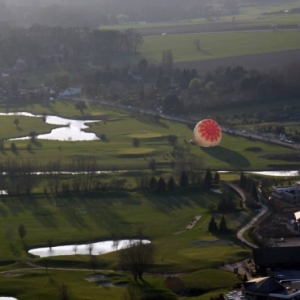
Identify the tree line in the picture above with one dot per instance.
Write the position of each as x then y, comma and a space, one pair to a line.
20, 177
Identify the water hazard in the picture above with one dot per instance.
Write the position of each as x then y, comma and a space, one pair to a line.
71, 130
84, 249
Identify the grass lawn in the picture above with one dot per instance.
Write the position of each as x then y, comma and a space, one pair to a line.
102, 216
163, 219
118, 152
37, 284
218, 45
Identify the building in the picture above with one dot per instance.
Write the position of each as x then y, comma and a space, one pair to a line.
268, 288
268, 259
289, 194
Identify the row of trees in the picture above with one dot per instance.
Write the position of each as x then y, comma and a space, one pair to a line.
20, 176
249, 185
213, 227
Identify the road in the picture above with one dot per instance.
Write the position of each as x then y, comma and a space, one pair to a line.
187, 121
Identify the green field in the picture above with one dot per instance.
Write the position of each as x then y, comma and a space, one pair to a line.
81, 218
103, 216
118, 152
219, 45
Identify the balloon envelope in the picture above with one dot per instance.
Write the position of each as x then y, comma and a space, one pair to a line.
207, 133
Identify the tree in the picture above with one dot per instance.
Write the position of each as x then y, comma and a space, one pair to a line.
171, 184
22, 232
207, 182
33, 135
171, 105
223, 225
152, 164
153, 183
197, 43
16, 122
143, 65
212, 225
80, 105
64, 293
216, 178
50, 243
93, 261
13, 147
172, 139
161, 185
242, 182
167, 62
184, 180
136, 258
254, 191
135, 142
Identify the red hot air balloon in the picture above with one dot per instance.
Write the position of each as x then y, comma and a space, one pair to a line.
207, 133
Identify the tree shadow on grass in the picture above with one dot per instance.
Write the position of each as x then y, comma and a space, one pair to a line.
167, 203
227, 155
72, 213
37, 143
150, 120
205, 52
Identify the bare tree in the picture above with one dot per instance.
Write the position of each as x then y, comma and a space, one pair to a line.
93, 262
136, 258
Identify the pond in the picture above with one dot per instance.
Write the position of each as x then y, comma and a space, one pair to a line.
70, 130
93, 248
292, 173
277, 173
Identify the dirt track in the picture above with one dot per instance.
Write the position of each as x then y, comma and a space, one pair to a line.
262, 62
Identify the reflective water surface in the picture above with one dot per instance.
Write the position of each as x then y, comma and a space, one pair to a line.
71, 130
93, 248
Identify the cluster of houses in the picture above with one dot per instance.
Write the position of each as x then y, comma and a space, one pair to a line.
13, 86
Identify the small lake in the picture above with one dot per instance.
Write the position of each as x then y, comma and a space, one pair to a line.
71, 130
292, 173
277, 173
84, 249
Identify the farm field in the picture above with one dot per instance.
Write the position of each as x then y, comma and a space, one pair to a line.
117, 151
219, 45
249, 17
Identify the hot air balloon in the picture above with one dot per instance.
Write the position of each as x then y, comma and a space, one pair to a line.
207, 133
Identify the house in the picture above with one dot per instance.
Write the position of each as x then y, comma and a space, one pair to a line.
69, 92
289, 194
